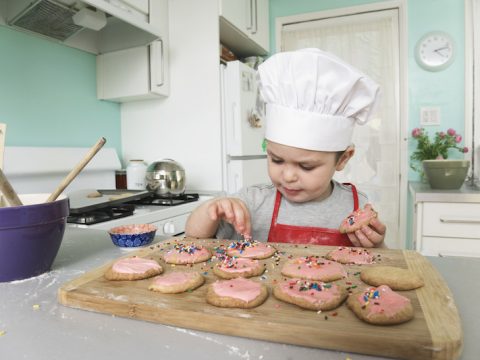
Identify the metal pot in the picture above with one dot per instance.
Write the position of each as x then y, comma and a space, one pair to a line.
165, 178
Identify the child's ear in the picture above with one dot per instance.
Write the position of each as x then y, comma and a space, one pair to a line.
343, 160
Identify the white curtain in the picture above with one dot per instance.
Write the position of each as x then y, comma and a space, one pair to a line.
370, 42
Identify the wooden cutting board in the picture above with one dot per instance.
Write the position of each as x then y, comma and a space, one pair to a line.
434, 333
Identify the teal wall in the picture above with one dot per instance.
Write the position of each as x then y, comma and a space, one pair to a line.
444, 89
48, 95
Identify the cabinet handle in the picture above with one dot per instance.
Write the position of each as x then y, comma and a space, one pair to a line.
249, 14
460, 221
254, 17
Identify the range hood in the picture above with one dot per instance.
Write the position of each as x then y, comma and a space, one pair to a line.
96, 26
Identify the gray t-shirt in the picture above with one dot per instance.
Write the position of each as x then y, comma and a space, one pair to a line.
260, 200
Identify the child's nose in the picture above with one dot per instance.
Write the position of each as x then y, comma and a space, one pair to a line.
289, 174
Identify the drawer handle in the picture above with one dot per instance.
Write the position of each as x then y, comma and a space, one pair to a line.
460, 221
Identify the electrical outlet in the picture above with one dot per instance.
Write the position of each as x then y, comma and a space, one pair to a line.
429, 116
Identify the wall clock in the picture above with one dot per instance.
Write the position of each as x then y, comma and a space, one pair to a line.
435, 51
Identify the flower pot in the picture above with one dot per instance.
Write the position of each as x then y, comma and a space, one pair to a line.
446, 174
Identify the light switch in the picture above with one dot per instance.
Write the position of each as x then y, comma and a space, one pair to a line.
429, 116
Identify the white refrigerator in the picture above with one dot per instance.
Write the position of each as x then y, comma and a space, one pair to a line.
245, 162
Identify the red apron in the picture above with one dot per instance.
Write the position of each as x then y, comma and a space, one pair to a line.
306, 234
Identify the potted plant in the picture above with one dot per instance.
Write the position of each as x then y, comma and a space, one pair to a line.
430, 158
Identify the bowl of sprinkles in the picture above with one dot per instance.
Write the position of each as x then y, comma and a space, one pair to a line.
135, 235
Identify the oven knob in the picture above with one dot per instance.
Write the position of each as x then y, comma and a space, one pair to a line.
169, 228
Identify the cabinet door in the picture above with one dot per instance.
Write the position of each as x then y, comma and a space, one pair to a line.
238, 13
260, 25
140, 5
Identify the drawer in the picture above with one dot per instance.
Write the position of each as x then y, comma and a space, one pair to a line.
458, 220
443, 246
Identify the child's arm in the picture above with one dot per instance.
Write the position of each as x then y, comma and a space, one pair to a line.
204, 220
369, 236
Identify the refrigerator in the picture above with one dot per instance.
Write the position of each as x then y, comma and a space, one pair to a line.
243, 130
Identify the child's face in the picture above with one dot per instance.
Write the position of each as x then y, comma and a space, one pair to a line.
303, 175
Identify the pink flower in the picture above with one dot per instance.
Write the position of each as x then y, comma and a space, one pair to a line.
441, 134
439, 157
465, 149
416, 132
458, 138
451, 132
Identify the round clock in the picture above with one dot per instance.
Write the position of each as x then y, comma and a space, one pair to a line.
434, 51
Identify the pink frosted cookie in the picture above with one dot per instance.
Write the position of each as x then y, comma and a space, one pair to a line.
314, 268
176, 282
381, 306
238, 293
357, 219
310, 294
232, 267
251, 249
187, 254
350, 255
133, 268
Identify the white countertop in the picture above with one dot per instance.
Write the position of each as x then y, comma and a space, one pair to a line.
33, 325
423, 192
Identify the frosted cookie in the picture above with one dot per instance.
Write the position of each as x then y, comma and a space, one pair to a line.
357, 219
133, 268
396, 278
250, 249
187, 254
310, 295
232, 267
236, 293
381, 306
350, 255
177, 282
314, 268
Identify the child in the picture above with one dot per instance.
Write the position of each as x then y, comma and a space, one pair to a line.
313, 100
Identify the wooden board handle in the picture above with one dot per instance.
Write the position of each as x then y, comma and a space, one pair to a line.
76, 170
8, 192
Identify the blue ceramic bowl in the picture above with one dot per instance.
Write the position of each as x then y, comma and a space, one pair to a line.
30, 236
134, 235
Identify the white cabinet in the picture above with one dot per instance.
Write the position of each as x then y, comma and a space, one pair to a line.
244, 26
140, 72
446, 223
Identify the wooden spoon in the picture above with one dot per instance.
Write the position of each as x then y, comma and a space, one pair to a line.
76, 170
8, 192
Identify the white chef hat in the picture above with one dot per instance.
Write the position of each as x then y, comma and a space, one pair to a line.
314, 99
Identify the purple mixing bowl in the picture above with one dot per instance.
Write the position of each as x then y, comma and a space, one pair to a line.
30, 236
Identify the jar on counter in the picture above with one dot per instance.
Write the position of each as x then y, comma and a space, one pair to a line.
136, 170
121, 179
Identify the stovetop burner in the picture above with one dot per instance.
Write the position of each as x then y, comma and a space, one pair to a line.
101, 215
155, 199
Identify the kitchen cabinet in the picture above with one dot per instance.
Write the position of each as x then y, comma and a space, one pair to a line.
244, 26
137, 73
446, 222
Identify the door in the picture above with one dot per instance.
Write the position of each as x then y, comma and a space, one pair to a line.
370, 42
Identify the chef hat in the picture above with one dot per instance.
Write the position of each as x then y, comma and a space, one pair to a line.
313, 99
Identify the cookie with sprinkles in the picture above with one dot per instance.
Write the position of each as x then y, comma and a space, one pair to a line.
133, 268
396, 278
351, 255
309, 294
313, 268
250, 249
177, 282
183, 254
381, 306
236, 293
232, 267
358, 219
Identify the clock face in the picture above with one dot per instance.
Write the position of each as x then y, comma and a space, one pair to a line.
434, 51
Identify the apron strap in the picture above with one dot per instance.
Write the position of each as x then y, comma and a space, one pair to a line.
355, 195
278, 199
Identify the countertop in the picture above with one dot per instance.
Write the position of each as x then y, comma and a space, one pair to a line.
423, 192
33, 325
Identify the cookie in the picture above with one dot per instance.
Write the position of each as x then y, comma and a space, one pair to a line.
396, 278
350, 255
251, 249
177, 282
381, 306
357, 219
186, 254
133, 268
310, 295
314, 268
236, 293
232, 267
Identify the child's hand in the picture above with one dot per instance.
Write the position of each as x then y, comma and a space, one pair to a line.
369, 236
232, 210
